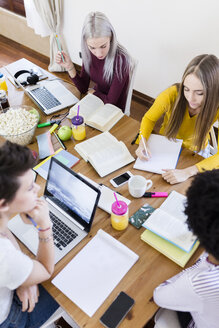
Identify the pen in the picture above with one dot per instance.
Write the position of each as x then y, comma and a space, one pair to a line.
61, 143
34, 223
59, 46
142, 138
136, 137
155, 194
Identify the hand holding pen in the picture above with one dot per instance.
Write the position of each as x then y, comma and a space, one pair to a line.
38, 216
143, 151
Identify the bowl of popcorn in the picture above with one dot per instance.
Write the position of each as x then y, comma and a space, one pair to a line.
18, 124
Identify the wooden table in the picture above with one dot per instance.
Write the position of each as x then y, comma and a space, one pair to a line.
152, 268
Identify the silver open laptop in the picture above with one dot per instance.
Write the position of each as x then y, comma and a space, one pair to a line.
72, 203
49, 95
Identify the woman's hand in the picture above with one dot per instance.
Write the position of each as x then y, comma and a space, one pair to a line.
40, 214
140, 151
176, 176
68, 65
28, 297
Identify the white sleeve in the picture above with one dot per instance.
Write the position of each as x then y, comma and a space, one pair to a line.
15, 266
177, 294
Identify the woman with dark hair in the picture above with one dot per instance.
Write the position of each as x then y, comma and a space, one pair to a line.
190, 110
194, 292
23, 303
105, 62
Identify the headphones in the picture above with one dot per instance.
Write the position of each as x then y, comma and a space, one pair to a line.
31, 79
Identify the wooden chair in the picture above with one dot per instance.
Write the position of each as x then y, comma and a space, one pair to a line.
213, 146
130, 88
166, 319
50, 323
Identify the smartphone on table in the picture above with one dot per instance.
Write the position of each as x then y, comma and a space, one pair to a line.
117, 310
121, 179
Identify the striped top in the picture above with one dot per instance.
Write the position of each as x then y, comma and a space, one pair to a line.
194, 290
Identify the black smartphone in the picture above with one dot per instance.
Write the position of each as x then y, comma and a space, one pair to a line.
117, 310
121, 179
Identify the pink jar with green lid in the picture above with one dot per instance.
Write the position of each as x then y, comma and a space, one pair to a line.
119, 215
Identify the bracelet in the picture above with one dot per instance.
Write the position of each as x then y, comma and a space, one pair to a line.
68, 70
46, 240
42, 230
36, 225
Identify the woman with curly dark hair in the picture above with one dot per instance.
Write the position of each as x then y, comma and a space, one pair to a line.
195, 291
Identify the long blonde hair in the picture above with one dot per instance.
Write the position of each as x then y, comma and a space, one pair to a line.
206, 68
97, 25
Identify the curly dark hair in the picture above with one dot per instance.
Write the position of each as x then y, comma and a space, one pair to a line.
15, 160
202, 209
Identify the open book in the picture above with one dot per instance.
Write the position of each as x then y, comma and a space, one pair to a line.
96, 114
164, 154
105, 153
169, 222
168, 249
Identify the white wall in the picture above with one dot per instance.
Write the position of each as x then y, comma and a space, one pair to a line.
163, 35
15, 27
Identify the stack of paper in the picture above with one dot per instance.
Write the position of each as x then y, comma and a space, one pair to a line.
169, 250
169, 222
95, 271
168, 231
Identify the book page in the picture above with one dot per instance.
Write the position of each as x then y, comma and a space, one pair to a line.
105, 117
88, 105
95, 271
93, 145
164, 154
168, 249
110, 158
171, 229
174, 204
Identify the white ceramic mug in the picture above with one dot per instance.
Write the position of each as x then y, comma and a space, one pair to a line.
138, 185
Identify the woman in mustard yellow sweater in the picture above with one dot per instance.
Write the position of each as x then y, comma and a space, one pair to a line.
190, 109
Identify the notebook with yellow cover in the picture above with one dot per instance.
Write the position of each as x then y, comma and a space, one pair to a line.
173, 252
61, 155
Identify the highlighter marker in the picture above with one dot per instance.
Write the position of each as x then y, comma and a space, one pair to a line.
155, 194
42, 125
53, 128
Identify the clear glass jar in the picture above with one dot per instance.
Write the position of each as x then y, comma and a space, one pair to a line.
78, 128
3, 100
3, 85
119, 215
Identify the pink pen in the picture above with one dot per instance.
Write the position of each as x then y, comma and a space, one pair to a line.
155, 194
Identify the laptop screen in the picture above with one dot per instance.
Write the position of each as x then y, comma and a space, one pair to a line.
71, 193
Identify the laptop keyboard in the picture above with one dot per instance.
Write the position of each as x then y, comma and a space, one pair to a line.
62, 234
45, 97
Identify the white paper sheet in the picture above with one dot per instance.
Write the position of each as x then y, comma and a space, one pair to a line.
164, 154
95, 271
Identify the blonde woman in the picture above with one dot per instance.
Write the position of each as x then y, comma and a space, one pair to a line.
190, 109
105, 62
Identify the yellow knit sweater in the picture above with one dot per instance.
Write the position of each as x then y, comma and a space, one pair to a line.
163, 105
